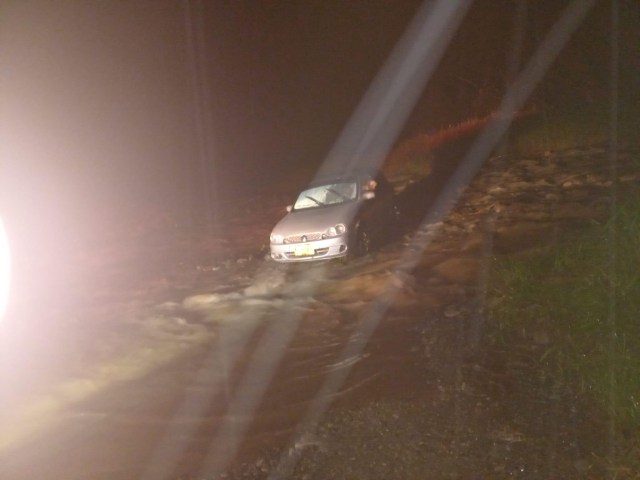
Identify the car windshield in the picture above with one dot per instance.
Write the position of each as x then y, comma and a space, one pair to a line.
328, 194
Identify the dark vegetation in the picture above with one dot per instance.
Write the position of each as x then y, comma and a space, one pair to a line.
493, 45
583, 293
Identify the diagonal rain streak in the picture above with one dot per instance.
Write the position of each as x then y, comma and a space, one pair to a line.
249, 394
613, 205
228, 347
385, 107
203, 172
227, 350
571, 18
5, 270
167, 453
379, 117
369, 135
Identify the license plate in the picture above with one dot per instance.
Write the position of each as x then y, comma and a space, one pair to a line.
305, 250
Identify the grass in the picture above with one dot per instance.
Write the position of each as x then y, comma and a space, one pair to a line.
584, 294
566, 128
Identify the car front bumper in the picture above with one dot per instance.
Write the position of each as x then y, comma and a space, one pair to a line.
304, 252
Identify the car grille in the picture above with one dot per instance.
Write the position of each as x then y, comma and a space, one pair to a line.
310, 237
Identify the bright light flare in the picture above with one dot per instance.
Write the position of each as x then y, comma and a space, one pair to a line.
5, 270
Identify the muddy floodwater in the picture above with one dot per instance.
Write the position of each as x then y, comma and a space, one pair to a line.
182, 354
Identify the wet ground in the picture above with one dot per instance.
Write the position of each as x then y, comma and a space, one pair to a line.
217, 363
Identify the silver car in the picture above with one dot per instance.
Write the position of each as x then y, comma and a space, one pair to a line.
334, 217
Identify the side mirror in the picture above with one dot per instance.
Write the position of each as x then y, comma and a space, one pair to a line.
368, 195
289, 208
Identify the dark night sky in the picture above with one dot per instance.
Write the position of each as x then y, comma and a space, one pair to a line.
98, 99
99, 114
290, 77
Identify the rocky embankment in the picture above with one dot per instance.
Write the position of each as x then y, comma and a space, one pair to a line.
491, 414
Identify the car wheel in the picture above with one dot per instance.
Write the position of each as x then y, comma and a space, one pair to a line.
363, 242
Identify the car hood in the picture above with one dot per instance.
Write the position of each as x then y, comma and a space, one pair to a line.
319, 219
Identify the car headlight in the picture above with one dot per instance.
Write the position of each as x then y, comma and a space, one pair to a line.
335, 231
274, 238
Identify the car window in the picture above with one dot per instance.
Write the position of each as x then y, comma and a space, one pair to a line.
328, 194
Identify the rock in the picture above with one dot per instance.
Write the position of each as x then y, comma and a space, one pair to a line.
576, 211
475, 243
541, 338
572, 183
552, 197
498, 207
536, 216
459, 270
581, 465
520, 237
497, 190
363, 287
201, 302
267, 283
452, 311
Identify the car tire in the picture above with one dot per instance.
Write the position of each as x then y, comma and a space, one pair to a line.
362, 242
